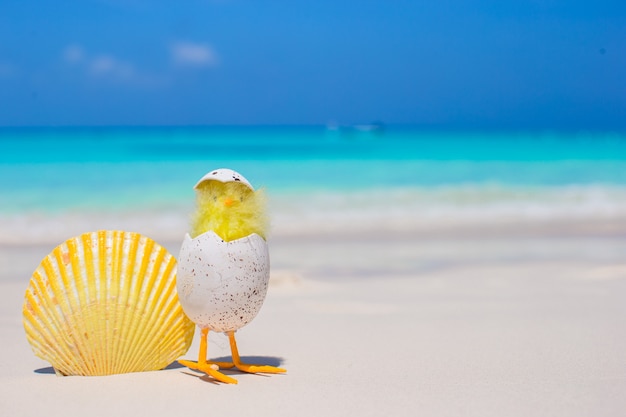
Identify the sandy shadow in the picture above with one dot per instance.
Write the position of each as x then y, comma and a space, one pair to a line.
50, 370
253, 360
202, 377
173, 365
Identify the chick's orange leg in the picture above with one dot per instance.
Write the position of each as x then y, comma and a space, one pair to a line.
253, 369
209, 368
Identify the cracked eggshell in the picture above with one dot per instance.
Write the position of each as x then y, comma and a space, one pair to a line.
222, 285
224, 175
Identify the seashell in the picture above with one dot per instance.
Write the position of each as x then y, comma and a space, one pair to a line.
222, 285
106, 303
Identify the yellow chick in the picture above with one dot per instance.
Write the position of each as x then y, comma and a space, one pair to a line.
223, 267
231, 209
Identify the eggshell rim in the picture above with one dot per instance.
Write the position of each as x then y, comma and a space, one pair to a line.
250, 236
224, 175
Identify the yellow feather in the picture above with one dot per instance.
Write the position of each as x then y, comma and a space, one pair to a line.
231, 210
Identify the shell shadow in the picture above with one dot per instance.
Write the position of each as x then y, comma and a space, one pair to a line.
173, 365
257, 360
50, 370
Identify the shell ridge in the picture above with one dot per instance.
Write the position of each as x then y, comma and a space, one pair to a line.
93, 335
124, 261
92, 278
119, 240
165, 354
33, 329
80, 282
167, 302
35, 332
116, 241
44, 298
157, 311
102, 281
172, 319
43, 327
108, 258
68, 293
142, 311
56, 322
169, 309
162, 348
142, 284
75, 261
76, 248
137, 288
131, 248
139, 337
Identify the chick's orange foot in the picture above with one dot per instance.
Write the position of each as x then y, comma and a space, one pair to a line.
253, 369
212, 368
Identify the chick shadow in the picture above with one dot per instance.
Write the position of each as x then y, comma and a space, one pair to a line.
256, 360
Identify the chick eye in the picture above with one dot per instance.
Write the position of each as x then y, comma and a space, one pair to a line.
241, 199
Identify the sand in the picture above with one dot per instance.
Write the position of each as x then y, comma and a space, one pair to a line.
526, 322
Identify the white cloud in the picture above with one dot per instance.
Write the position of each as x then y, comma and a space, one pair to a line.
73, 54
102, 65
193, 54
107, 65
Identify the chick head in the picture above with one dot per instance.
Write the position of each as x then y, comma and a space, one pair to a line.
231, 209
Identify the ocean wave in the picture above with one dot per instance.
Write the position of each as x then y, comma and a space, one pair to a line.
418, 209
408, 210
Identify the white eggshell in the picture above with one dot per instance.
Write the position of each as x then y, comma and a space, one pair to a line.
222, 285
224, 175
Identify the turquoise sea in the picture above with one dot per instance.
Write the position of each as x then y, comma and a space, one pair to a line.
55, 181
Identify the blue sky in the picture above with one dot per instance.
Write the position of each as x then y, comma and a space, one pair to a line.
450, 63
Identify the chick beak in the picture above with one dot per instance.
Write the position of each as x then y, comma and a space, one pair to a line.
228, 202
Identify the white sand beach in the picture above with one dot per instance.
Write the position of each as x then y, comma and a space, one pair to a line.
521, 321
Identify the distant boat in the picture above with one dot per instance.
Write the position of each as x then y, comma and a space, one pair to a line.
371, 127
374, 127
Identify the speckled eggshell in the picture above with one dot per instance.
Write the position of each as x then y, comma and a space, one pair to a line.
224, 175
222, 285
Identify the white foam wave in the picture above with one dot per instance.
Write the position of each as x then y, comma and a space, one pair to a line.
386, 210
418, 209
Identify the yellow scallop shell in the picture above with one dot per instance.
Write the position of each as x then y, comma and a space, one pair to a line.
106, 303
